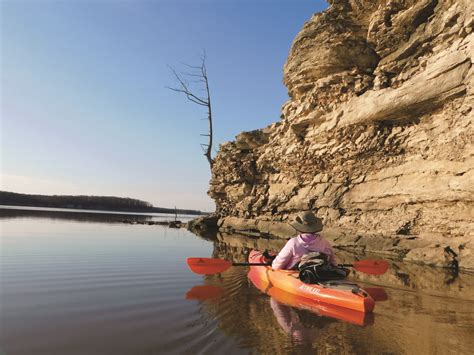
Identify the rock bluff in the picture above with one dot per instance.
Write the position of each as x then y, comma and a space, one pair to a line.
377, 135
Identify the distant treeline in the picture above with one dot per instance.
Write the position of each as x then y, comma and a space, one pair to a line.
106, 203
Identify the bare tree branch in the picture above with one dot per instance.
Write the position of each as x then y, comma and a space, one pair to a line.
183, 88
190, 98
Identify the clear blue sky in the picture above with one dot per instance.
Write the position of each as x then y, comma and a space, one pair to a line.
84, 106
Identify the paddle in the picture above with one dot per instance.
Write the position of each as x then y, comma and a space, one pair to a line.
208, 266
369, 266
377, 293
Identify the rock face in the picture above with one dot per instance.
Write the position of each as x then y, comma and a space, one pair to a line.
377, 136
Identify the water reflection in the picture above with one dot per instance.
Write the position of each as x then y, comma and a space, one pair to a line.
277, 322
414, 307
292, 323
300, 318
81, 216
73, 287
204, 292
71, 216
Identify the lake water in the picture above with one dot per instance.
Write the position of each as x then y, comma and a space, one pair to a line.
82, 284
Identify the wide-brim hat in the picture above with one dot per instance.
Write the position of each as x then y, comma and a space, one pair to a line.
307, 222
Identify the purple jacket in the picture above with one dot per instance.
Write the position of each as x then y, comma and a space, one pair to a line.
300, 245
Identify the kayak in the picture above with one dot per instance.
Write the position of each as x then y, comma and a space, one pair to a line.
319, 308
339, 293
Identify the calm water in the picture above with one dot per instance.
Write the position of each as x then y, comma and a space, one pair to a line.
92, 285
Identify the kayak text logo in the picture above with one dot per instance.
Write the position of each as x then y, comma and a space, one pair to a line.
310, 289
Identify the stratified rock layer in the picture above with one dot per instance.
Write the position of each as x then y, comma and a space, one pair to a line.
377, 136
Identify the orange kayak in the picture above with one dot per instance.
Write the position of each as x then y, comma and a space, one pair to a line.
319, 308
339, 293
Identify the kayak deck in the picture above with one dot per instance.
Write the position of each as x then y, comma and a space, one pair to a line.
339, 292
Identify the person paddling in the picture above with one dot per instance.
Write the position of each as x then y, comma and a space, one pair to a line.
308, 240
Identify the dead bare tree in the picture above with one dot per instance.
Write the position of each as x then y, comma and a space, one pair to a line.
199, 76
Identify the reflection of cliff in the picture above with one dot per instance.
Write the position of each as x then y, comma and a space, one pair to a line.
377, 135
419, 278
236, 247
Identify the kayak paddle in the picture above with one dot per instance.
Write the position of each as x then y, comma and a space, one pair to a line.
377, 293
369, 266
208, 266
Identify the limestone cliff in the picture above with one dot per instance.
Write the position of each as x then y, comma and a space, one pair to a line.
377, 136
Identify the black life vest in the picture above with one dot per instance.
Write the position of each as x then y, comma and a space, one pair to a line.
314, 267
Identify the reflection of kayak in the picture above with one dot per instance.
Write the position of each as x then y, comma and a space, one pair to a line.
320, 308
336, 293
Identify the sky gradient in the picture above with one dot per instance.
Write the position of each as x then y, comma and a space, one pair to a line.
84, 104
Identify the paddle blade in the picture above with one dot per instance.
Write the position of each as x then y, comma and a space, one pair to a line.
372, 266
203, 293
208, 266
377, 293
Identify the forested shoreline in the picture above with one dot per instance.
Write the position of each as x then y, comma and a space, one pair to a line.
106, 203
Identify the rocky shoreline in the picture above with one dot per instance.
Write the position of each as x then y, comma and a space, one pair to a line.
407, 248
377, 137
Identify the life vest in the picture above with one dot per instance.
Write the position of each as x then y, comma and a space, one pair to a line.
314, 267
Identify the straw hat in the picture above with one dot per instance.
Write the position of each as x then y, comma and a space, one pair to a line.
307, 222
